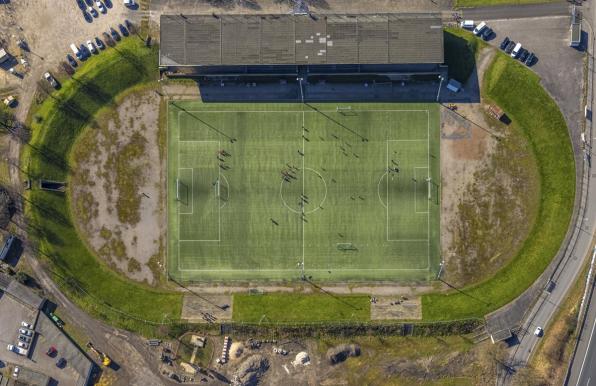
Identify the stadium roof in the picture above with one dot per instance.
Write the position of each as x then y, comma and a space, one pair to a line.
203, 40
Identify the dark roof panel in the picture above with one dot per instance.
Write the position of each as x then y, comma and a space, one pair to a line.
202, 40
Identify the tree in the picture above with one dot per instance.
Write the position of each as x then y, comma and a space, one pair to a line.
6, 207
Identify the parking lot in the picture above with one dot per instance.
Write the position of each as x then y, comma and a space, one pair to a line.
49, 27
558, 65
76, 367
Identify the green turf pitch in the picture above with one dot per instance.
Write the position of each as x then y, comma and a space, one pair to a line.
261, 191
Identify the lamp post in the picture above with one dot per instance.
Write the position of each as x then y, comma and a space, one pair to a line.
442, 78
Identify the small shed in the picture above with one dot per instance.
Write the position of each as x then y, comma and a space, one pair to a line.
453, 85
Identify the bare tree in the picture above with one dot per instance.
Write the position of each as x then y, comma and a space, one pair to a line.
6, 207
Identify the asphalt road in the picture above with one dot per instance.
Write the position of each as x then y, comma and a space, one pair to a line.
516, 12
568, 271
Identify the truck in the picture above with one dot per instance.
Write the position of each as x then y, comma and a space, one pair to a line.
16, 350
105, 360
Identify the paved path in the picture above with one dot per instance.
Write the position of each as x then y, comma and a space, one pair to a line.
516, 12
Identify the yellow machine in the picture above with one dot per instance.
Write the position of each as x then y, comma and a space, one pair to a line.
105, 360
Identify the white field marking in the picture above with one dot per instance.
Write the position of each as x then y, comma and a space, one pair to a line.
310, 270
379, 189
180, 241
387, 206
303, 113
415, 189
303, 157
283, 200
192, 197
228, 185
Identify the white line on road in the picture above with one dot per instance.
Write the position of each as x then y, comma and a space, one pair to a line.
586, 355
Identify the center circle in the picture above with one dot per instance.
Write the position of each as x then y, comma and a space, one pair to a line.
303, 191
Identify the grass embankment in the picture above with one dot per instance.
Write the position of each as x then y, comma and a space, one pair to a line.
488, 3
284, 307
56, 124
518, 91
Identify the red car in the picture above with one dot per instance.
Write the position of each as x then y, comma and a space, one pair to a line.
52, 352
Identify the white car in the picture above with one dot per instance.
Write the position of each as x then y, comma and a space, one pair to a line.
92, 11
47, 76
129, 3
25, 331
100, 6
26, 325
15, 373
91, 47
538, 331
23, 345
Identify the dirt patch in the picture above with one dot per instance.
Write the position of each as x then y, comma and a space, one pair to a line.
195, 306
489, 182
116, 188
396, 308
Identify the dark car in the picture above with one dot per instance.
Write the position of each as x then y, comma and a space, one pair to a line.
114, 34
61, 363
523, 55
505, 42
530, 59
108, 39
84, 51
487, 33
99, 44
510, 46
52, 352
129, 26
123, 30
71, 60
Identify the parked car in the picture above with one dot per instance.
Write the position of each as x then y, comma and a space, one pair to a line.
52, 351
24, 338
50, 79
129, 26
26, 325
538, 331
467, 24
530, 59
108, 39
99, 44
91, 47
92, 11
509, 47
61, 363
16, 371
114, 34
523, 55
67, 68
17, 350
487, 33
479, 28
123, 30
516, 50
26, 332
101, 7
129, 3
505, 42
23, 345
71, 60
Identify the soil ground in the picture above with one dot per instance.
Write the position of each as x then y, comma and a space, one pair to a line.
121, 224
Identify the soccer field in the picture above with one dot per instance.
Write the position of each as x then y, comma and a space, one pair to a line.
267, 191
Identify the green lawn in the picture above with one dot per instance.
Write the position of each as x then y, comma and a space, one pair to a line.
282, 307
55, 126
238, 217
485, 3
518, 91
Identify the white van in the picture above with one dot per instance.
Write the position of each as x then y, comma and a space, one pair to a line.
516, 50
467, 24
76, 51
479, 28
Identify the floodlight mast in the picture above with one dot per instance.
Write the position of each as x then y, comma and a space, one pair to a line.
442, 78
300, 79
